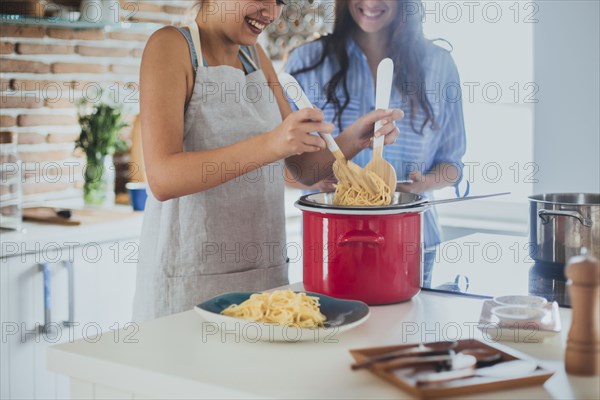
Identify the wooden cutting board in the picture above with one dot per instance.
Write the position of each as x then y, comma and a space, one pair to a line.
78, 216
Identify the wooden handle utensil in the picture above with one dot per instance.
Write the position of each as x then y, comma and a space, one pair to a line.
385, 170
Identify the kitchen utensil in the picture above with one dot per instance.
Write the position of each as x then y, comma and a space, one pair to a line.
405, 378
72, 217
561, 224
378, 165
507, 369
467, 358
485, 357
399, 200
451, 360
344, 170
582, 356
64, 213
342, 315
459, 199
432, 348
49, 215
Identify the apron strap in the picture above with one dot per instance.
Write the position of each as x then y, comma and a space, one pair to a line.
249, 59
195, 32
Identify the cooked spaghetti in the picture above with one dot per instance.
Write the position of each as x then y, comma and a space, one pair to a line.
347, 194
283, 307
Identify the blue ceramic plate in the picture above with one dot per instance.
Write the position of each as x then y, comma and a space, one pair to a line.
342, 315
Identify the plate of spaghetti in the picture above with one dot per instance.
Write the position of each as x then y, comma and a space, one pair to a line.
281, 316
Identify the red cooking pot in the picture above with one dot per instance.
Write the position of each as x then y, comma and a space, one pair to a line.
372, 254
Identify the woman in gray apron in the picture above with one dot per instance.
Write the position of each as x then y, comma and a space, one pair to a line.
213, 141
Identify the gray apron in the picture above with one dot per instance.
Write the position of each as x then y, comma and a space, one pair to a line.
231, 237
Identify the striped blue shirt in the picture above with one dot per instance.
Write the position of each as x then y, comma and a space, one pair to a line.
412, 151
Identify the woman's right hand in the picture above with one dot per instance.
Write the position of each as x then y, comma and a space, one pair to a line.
361, 131
292, 136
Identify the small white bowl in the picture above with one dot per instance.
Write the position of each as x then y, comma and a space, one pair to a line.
518, 314
519, 300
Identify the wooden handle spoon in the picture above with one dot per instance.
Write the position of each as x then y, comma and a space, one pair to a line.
378, 165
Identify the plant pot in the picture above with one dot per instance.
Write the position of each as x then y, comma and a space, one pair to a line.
99, 185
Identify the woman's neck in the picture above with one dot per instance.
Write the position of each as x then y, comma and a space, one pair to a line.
217, 49
374, 46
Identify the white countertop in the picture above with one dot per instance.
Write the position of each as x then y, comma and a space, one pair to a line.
175, 358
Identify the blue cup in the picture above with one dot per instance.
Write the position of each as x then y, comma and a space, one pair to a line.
137, 195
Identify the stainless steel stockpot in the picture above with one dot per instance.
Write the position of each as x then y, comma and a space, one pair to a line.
561, 224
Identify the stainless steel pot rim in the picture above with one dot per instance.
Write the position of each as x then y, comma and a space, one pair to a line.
359, 211
547, 198
323, 203
401, 200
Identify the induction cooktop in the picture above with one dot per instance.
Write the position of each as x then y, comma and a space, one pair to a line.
486, 265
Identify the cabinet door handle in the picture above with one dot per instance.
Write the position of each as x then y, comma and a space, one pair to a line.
47, 276
70, 293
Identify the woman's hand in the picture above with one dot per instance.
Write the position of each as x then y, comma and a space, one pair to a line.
440, 176
417, 186
292, 136
326, 185
361, 131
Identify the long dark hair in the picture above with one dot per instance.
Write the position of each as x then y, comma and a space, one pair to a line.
407, 50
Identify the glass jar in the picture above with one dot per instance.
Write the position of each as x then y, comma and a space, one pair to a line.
11, 191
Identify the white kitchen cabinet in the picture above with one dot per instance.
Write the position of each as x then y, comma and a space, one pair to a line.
3, 342
103, 283
23, 296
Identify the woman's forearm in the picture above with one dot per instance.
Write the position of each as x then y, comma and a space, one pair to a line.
310, 168
185, 173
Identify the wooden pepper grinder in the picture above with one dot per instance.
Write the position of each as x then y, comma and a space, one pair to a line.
582, 356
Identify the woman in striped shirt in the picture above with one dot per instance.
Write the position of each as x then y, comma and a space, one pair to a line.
338, 73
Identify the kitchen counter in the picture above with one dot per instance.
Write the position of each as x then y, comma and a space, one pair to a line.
180, 356
36, 237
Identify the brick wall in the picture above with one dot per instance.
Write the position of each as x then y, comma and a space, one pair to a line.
46, 69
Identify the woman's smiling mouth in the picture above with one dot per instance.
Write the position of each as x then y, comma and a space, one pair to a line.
255, 25
371, 14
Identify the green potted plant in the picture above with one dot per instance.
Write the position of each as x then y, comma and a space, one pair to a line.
99, 139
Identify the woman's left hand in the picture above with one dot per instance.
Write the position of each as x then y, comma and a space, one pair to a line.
361, 131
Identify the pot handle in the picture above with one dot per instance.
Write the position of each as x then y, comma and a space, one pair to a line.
362, 237
546, 214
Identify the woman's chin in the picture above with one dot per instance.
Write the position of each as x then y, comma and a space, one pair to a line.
371, 28
247, 40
